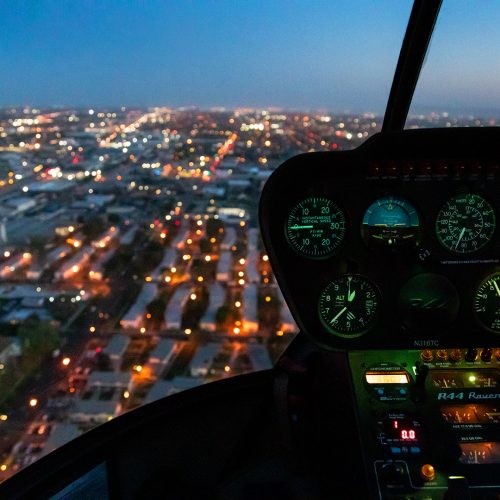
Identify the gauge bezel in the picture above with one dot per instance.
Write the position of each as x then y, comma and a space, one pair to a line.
337, 248
415, 243
476, 291
371, 325
480, 249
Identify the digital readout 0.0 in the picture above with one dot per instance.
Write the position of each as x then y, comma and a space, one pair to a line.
403, 434
386, 378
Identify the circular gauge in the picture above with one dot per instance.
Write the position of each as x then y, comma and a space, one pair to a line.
465, 223
391, 222
428, 301
348, 306
315, 228
487, 303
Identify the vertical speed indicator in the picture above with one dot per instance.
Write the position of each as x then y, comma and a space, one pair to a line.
315, 228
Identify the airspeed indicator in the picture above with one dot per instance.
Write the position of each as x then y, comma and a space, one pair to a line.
465, 224
315, 228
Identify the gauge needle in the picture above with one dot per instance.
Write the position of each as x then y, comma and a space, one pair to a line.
496, 288
350, 295
342, 311
301, 227
460, 237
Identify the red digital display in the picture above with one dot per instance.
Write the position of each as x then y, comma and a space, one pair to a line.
404, 434
408, 434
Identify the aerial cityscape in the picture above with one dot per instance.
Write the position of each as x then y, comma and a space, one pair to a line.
131, 261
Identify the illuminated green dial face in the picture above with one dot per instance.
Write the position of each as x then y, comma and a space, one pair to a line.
465, 223
315, 228
487, 303
348, 306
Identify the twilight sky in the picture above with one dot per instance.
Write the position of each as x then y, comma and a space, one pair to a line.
302, 54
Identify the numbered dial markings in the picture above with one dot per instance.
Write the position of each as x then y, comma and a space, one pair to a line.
487, 303
465, 223
348, 307
315, 228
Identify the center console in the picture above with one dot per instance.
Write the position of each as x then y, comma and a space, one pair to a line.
428, 422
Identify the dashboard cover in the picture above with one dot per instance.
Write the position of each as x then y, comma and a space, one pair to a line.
409, 253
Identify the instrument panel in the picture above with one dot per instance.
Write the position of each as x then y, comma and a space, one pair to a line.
395, 244
428, 422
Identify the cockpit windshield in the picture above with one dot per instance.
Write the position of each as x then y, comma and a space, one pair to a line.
135, 138
460, 81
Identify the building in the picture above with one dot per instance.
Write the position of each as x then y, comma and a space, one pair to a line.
168, 261
129, 236
229, 238
116, 349
134, 318
182, 235
163, 388
105, 239
249, 316
61, 433
224, 263
259, 357
173, 311
203, 359
162, 355
36, 269
74, 265
19, 204
232, 215
14, 263
252, 261
102, 399
217, 298
96, 272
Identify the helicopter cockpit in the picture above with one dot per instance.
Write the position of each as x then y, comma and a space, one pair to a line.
388, 257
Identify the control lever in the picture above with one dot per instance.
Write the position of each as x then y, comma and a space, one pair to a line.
458, 489
418, 388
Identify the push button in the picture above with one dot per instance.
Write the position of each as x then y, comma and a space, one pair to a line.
427, 472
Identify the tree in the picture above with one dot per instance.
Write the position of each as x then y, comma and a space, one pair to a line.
93, 227
38, 244
222, 314
114, 219
205, 246
157, 309
38, 338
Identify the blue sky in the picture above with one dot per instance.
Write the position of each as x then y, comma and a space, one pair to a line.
299, 54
